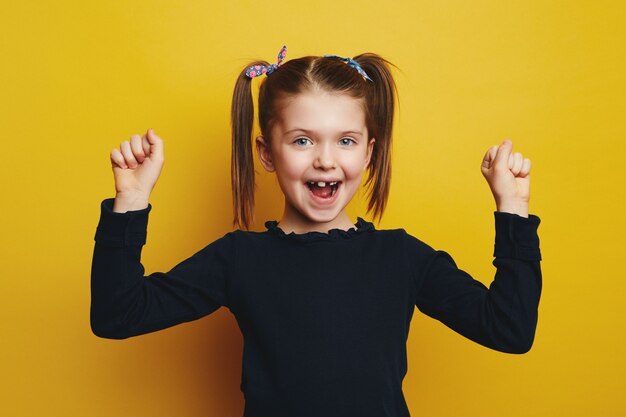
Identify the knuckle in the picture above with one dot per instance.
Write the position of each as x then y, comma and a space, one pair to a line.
138, 149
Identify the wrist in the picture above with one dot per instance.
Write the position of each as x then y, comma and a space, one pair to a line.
130, 202
514, 207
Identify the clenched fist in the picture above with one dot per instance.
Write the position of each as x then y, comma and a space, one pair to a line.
508, 176
136, 168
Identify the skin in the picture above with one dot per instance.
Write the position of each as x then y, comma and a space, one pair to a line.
323, 153
508, 176
322, 150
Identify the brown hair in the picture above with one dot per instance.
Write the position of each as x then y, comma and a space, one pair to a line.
297, 76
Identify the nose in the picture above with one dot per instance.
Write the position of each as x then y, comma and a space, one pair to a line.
325, 159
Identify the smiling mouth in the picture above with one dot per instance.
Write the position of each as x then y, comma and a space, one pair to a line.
323, 189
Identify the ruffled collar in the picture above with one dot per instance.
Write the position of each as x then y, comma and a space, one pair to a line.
360, 227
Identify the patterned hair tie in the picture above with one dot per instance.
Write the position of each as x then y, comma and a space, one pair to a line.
257, 70
351, 62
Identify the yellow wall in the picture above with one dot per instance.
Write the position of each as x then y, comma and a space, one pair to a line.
78, 78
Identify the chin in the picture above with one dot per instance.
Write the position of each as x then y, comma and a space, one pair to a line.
322, 217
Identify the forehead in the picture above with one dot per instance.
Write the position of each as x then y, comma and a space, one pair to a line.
321, 111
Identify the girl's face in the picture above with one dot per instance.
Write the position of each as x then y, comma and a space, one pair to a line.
319, 151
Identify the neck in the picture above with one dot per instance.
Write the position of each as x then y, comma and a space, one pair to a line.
294, 221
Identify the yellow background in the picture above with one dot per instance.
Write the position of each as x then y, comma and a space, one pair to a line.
78, 78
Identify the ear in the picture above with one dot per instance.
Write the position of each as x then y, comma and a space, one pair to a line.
370, 150
263, 149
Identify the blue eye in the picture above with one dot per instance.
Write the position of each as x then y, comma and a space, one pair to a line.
349, 141
299, 141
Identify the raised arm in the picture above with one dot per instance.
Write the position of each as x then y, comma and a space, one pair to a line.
502, 317
124, 302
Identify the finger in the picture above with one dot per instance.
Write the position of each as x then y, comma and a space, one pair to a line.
137, 148
128, 154
145, 144
156, 145
502, 156
525, 168
518, 160
489, 156
117, 159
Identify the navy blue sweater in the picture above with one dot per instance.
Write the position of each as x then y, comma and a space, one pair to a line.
324, 316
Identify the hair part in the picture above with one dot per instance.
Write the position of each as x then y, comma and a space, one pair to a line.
300, 75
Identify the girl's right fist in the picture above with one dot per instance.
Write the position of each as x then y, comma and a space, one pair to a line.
137, 164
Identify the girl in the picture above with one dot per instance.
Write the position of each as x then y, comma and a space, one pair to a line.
324, 305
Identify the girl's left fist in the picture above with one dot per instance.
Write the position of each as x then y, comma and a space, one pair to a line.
508, 174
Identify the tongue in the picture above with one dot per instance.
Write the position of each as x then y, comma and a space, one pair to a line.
323, 192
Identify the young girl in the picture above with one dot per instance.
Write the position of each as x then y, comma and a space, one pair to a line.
324, 305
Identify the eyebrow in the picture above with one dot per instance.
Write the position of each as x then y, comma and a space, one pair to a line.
297, 129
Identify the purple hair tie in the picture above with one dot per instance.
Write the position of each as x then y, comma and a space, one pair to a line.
258, 70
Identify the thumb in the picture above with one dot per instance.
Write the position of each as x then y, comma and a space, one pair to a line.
502, 155
488, 159
156, 144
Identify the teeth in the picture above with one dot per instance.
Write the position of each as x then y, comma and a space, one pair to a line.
323, 183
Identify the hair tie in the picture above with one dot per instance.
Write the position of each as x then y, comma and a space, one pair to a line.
257, 70
351, 62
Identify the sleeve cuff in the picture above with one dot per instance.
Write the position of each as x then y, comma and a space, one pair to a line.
516, 236
121, 229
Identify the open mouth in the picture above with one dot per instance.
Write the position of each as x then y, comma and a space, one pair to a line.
323, 189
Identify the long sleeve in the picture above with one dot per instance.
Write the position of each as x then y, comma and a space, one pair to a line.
126, 303
502, 317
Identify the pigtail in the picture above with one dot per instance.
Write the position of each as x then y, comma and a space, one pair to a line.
242, 163
381, 96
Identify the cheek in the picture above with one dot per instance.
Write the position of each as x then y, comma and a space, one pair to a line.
291, 167
354, 168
